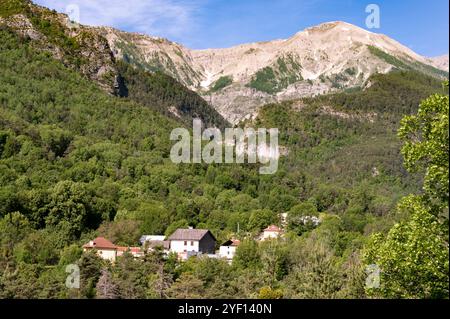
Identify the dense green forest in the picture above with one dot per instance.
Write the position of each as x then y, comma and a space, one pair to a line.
77, 162
85, 50
166, 95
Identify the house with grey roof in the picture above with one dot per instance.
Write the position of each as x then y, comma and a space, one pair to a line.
192, 242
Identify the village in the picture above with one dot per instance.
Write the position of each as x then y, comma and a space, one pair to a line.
185, 243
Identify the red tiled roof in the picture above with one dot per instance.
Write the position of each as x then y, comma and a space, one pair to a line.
101, 243
235, 242
130, 249
273, 228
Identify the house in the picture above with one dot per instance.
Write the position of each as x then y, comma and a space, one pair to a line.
228, 249
105, 249
271, 232
191, 242
108, 251
310, 220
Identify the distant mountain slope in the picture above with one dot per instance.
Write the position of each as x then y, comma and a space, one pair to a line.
326, 58
350, 137
165, 94
237, 81
154, 54
77, 48
441, 62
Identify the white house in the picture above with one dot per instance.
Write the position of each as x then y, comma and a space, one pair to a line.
191, 242
104, 248
228, 249
271, 232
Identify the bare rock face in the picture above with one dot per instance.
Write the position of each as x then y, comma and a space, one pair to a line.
237, 81
154, 54
23, 25
99, 61
440, 62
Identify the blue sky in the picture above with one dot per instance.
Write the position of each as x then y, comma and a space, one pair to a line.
421, 25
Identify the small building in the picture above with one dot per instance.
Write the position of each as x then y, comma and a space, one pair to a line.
108, 251
191, 242
271, 232
105, 249
228, 249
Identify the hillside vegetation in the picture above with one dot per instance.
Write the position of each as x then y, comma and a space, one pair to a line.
77, 161
87, 52
166, 95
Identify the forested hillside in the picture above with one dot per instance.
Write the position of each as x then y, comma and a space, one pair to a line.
77, 162
86, 51
163, 93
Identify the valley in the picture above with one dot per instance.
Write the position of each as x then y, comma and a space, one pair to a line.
86, 116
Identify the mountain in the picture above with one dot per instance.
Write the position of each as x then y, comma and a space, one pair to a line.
237, 81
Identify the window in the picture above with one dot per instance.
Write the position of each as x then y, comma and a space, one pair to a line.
185, 243
192, 243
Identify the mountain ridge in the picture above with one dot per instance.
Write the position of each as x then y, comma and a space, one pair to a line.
441, 62
237, 81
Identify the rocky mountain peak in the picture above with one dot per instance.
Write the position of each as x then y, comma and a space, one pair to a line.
329, 57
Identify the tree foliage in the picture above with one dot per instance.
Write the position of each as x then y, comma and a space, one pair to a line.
413, 257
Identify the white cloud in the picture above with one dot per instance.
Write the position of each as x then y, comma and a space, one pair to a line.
168, 18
